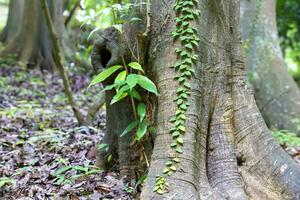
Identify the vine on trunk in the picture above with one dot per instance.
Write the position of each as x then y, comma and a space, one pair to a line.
186, 13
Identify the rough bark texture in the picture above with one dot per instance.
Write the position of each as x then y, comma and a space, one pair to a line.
228, 150
13, 21
276, 93
32, 44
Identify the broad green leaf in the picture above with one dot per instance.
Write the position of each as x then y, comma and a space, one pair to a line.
121, 94
130, 127
141, 111
105, 74
132, 80
141, 130
115, 100
136, 65
147, 84
121, 76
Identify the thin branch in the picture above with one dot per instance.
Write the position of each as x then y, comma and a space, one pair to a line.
72, 12
59, 66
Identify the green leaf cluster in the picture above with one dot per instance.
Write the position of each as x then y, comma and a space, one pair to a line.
125, 84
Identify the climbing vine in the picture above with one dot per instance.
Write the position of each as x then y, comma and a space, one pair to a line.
186, 33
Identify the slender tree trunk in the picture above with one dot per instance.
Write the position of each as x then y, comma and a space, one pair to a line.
228, 151
32, 43
276, 93
13, 20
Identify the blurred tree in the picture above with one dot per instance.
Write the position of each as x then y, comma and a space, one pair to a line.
276, 93
13, 21
32, 44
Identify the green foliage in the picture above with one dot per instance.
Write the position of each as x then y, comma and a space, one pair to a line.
104, 14
286, 138
126, 84
288, 20
187, 12
5, 181
75, 172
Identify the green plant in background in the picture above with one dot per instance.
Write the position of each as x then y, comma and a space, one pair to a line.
288, 21
79, 171
6, 181
287, 138
104, 14
187, 12
125, 84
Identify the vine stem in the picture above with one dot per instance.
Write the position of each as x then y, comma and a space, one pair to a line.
131, 98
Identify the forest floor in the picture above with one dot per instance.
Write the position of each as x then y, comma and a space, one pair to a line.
43, 153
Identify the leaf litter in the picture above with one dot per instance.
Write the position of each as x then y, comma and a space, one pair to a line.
43, 153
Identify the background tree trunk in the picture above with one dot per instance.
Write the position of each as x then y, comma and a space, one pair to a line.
276, 93
228, 151
32, 43
13, 21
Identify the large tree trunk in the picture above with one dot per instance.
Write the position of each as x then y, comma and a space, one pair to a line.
32, 43
276, 93
13, 21
228, 151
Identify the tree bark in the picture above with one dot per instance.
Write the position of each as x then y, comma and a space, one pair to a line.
14, 19
276, 93
228, 151
32, 44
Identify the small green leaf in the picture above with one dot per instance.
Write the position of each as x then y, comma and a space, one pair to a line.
179, 150
160, 191
109, 158
166, 170
176, 134
173, 145
105, 74
141, 111
130, 127
180, 140
141, 130
135, 65
169, 163
177, 160
147, 84
173, 168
